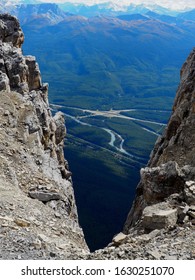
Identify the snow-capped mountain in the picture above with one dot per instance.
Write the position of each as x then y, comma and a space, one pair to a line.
113, 9
91, 8
178, 5
10, 5
21, 8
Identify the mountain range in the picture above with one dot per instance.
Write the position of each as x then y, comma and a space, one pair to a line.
109, 61
122, 50
105, 8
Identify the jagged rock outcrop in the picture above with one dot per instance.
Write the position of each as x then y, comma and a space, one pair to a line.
38, 212
171, 169
11, 31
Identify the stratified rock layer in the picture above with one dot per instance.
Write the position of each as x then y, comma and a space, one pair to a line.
36, 196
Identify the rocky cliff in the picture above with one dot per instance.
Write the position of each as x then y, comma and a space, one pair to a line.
38, 213
171, 170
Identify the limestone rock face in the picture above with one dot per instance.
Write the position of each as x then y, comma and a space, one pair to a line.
171, 168
10, 30
159, 216
20, 73
161, 181
35, 183
4, 82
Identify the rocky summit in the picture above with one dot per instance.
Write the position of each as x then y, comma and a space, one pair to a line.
38, 218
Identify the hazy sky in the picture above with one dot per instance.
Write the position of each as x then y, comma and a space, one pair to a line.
173, 4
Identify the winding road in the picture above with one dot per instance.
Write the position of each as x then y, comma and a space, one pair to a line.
113, 135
